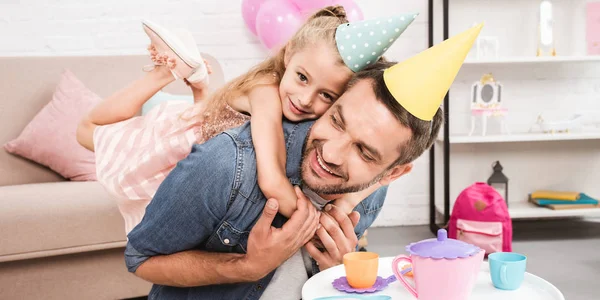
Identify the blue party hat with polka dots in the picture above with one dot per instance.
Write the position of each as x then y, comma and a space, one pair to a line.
362, 43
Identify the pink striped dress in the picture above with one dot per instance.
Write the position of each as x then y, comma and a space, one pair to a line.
134, 156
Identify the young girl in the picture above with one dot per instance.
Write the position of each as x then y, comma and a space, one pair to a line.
135, 154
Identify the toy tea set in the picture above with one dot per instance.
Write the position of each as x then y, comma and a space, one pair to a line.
441, 268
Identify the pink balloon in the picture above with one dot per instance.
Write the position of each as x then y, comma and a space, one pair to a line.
276, 22
353, 12
249, 11
308, 7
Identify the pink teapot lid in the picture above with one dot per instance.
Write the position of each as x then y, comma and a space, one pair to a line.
442, 247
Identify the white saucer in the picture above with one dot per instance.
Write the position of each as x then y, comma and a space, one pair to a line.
532, 288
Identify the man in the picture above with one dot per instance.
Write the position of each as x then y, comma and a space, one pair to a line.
195, 240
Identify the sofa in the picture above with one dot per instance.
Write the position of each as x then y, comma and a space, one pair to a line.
59, 238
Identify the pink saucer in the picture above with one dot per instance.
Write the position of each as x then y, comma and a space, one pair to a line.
341, 284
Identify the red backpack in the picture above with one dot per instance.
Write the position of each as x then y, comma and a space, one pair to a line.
480, 217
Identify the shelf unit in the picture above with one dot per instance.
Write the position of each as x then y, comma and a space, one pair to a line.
520, 209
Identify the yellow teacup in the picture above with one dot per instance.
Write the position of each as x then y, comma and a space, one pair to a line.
361, 269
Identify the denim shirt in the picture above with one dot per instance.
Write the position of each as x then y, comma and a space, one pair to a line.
211, 200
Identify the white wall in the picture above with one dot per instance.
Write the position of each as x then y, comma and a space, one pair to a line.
64, 27
70, 27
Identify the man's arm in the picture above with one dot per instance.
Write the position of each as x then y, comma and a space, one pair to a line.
185, 212
268, 247
195, 268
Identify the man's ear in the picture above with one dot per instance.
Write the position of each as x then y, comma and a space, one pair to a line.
395, 173
287, 55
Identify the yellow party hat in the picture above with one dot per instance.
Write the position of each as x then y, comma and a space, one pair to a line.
420, 83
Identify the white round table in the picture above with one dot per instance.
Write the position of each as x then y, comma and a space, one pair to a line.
533, 287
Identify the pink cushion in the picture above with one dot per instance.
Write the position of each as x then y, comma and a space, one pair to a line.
50, 138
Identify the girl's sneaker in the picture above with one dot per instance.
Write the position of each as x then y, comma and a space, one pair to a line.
178, 51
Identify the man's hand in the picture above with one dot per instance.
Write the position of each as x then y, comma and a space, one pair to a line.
337, 236
269, 247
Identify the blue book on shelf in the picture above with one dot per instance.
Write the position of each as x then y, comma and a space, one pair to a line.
583, 199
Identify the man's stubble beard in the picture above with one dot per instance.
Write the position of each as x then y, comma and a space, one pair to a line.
330, 190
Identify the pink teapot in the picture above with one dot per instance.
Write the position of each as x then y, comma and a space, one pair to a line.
443, 268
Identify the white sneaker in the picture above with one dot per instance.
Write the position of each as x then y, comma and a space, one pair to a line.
178, 51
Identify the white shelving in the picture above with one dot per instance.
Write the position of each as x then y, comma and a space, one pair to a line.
522, 137
555, 87
526, 210
534, 60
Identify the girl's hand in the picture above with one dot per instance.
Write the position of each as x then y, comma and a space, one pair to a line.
348, 202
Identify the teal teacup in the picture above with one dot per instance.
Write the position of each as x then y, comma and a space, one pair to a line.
507, 269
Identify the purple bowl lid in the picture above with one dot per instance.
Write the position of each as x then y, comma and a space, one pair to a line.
442, 247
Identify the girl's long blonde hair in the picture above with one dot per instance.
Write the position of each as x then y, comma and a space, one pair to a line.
320, 27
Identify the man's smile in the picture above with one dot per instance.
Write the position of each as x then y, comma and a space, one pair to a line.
319, 166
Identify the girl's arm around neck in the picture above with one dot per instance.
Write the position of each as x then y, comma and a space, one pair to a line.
269, 145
